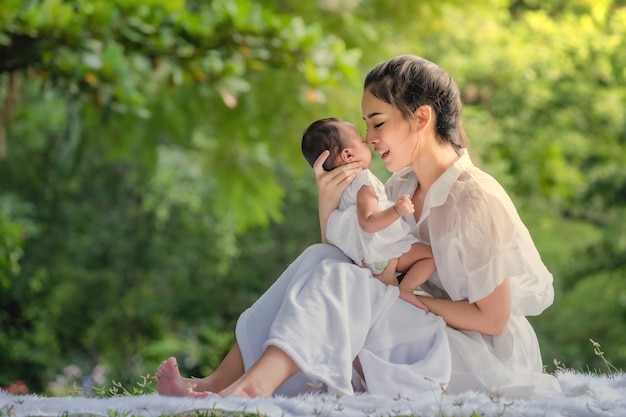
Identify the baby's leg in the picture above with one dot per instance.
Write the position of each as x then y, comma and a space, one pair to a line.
417, 252
418, 273
416, 276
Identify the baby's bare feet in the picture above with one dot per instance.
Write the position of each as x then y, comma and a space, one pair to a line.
171, 383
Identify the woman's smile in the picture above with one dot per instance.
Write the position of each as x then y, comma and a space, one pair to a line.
384, 154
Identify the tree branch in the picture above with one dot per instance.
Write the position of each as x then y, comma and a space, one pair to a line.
10, 102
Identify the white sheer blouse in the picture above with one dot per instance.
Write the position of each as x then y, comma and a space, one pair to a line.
477, 238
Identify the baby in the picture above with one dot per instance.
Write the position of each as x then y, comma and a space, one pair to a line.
375, 232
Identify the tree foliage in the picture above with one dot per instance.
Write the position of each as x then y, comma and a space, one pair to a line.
130, 59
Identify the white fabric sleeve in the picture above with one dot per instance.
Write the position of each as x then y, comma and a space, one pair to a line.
494, 244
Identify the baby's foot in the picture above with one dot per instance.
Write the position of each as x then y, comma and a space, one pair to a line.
410, 298
171, 383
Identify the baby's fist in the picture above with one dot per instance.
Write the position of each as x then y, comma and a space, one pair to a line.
404, 205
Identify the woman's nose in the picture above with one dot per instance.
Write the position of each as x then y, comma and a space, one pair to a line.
369, 138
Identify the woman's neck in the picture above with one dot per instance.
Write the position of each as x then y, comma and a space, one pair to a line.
432, 162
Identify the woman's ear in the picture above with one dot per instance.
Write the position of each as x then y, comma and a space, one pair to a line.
423, 116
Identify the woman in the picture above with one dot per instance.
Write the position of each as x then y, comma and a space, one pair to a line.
489, 274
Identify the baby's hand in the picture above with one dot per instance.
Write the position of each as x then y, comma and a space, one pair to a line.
404, 205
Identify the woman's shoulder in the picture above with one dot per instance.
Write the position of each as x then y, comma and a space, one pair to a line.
484, 202
476, 184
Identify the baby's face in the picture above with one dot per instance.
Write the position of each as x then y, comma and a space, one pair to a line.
359, 148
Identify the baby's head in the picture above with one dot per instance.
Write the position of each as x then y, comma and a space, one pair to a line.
342, 139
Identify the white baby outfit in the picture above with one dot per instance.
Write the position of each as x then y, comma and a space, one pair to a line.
370, 249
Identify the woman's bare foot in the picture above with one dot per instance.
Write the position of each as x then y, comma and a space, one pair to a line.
272, 369
171, 383
245, 387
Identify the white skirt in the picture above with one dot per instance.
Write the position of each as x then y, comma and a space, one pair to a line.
508, 364
323, 311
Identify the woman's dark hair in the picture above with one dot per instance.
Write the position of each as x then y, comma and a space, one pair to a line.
323, 135
408, 82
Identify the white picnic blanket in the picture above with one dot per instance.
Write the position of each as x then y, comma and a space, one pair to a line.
583, 395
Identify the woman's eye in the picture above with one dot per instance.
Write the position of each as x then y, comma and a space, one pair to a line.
379, 125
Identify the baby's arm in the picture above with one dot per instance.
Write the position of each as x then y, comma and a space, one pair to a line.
371, 219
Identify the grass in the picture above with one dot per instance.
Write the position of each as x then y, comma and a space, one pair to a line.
611, 369
145, 386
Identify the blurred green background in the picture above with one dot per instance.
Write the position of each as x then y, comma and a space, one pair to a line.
152, 186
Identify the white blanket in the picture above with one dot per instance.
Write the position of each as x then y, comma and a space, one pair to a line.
583, 395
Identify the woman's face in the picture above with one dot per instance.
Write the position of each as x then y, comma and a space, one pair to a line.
391, 135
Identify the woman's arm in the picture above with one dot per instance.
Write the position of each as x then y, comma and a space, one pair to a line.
489, 315
330, 186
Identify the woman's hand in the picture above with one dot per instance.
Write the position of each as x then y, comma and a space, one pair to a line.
489, 315
330, 186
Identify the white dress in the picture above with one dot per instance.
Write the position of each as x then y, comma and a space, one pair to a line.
370, 249
323, 310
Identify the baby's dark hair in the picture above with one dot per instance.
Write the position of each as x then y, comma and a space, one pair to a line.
323, 135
